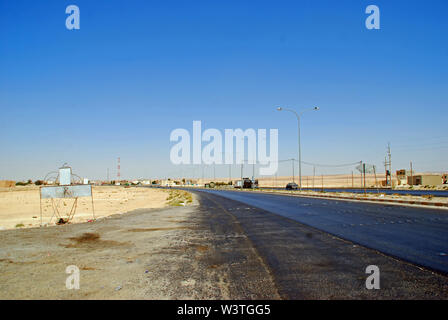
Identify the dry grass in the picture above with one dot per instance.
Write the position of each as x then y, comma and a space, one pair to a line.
177, 198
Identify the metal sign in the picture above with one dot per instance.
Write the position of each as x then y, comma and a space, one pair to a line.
65, 176
57, 192
65, 190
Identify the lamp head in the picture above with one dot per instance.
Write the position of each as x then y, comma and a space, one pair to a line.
316, 108
279, 108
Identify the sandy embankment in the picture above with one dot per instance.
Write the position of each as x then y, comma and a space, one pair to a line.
20, 206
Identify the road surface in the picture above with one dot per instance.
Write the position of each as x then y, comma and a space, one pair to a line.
301, 261
413, 234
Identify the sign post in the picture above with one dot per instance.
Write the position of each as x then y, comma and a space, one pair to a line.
65, 190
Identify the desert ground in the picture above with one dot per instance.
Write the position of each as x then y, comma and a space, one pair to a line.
19, 206
167, 253
200, 250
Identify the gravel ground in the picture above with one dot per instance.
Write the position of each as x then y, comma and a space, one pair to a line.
147, 254
214, 249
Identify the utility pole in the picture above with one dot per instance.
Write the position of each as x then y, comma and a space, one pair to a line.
361, 173
292, 160
390, 164
314, 174
374, 172
253, 171
230, 173
276, 176
412, 176
364, 173
298, 131
353, 185
385, 168
202, 167
118, 170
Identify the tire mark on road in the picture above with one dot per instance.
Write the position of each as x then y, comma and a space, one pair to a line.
240, 229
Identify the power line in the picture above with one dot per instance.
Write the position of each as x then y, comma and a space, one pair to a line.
324, 165
332, 165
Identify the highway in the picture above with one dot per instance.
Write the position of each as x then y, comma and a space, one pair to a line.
413, 234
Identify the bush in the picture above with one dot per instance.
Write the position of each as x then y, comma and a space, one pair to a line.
39, 182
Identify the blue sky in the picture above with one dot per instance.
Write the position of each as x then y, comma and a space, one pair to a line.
136, 70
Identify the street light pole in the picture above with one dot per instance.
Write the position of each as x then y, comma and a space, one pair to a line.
298, 132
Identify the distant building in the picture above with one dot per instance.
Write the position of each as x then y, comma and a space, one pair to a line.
168, 183
425, 180
7, 184
402, 177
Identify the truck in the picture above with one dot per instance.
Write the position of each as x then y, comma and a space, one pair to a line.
246, 183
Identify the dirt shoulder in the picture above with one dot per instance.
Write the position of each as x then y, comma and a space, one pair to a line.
170, 253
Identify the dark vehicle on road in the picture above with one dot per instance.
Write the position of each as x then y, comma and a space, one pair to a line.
292, 186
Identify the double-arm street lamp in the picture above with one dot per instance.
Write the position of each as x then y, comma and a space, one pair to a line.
298, 115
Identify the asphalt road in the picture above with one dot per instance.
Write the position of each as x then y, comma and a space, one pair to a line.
417, 235
296, 261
